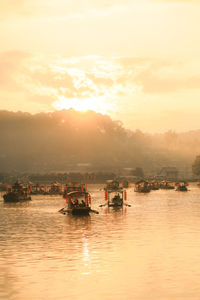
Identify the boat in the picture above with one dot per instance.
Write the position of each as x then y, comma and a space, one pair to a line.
78, 203
37, 189
142, 187
181, 186
154, 185
165, 185
112, 185
17, 193
115, 198
55, 189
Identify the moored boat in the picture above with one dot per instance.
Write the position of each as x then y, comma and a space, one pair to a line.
55, 189
165, 185
181, 187
17, 193
142, 187
112, 185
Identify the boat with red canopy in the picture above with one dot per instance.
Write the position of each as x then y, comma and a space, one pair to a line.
78, 203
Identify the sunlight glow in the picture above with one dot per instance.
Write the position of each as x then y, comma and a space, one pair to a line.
96, 104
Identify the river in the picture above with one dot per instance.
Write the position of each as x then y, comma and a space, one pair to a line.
149, 251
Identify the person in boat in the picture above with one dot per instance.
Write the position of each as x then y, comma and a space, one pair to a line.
83, 203
76, 203
116, 198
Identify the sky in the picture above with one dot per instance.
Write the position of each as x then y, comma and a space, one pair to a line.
136, 60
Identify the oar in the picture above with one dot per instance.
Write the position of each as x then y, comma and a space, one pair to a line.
127, 204
102, 205
94, 211
62, 211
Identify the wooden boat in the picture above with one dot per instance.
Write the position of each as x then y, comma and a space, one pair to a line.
142, 187
165, 185
115, 198
112, 185
181, 187
78, 203
37, 189
154, 186
17, 193
55, 189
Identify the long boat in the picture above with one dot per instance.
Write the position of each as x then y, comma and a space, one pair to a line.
17, 193
142, 187
165, 185
112, 185
181, 187
78, 203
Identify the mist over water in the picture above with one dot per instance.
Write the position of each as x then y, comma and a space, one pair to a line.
147, 251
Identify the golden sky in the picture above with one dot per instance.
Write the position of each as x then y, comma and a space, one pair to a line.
135, 60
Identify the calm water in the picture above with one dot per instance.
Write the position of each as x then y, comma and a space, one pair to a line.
150, 250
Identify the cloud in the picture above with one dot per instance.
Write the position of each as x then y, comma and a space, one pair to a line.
156, 76
38, 82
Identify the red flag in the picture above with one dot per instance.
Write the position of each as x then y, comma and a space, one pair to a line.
125, 195
106, 196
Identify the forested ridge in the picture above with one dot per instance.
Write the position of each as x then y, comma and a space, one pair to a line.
65, 140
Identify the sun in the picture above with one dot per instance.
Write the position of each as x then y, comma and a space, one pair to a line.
96, 104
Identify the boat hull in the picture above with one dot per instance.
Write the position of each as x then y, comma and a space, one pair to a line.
182, 189
76, 211
115, 205
11, 197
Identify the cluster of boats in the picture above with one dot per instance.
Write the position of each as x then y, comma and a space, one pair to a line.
78, 198
143, 186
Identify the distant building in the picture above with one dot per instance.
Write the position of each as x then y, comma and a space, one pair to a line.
170, 173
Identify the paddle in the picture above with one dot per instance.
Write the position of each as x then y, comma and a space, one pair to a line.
62, 211
94, 211
102, 205
127, 204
